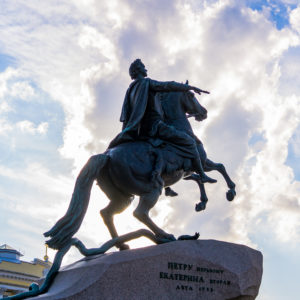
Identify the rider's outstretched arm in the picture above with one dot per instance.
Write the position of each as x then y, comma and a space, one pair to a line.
171, 86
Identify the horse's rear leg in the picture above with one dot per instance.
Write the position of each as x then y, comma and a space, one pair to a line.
147, 201
107, 214
210, 166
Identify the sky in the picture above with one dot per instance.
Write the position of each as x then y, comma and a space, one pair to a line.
63, 77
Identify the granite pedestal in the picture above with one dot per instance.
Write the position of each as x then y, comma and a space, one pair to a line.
202, 269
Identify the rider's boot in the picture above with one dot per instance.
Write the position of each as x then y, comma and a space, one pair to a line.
199, 169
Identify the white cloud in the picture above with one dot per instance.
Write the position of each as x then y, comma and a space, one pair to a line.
5, 76
79, 53
31, 196
295, 19
22, 90
5, 126
27, 126
4, 107
13, 86
295, 143
228, 48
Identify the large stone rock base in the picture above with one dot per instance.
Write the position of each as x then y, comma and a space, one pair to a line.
203, 269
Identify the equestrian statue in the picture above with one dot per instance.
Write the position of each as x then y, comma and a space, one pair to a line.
155, 149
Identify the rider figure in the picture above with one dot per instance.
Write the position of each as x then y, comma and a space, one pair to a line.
142, 115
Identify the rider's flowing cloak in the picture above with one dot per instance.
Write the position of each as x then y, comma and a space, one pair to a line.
132, 113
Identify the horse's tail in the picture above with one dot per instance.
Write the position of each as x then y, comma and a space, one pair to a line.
69, 224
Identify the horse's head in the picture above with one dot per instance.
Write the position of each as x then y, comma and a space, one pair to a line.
193, 107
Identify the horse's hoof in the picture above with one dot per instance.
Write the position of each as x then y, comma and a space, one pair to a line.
123, 247
200, 206
166, 238
171, 237
230, 194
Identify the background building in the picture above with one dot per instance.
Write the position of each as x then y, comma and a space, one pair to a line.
17, 275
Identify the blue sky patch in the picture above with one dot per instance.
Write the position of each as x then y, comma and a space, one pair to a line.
255, 138
19, 148
276, 258
6, 61
293, 158
278, 10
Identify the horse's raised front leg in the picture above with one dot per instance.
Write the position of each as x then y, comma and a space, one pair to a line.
203, 197
210, 166
115, 206
147, 201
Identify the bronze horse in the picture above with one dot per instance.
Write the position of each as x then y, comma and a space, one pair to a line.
140, 168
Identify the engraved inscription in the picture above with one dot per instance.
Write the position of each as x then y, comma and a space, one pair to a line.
187, 280
181, 277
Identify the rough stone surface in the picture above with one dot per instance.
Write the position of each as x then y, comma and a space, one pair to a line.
203, 269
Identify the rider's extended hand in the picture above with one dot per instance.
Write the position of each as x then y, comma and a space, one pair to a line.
196, 90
